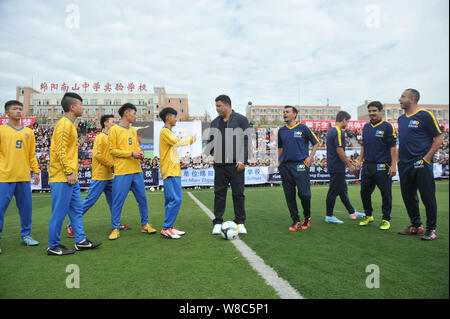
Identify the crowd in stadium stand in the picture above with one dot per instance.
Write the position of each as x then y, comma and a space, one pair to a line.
264, 143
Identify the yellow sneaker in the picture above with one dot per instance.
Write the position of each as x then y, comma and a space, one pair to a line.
385, 225
114, 235
366, 220
148, 229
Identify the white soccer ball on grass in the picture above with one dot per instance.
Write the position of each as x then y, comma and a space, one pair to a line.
230, 230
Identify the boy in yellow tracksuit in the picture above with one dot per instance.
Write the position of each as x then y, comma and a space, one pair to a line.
63, 179
125, 152
17, 156
102, 171
171, 171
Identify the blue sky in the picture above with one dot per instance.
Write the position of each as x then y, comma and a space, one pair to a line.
267, 52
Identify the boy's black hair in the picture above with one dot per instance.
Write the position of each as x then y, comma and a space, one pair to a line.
11, 103
126, 106
69, 99
104, 118
165, 111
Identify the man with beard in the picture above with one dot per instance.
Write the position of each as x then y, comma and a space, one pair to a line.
378, 155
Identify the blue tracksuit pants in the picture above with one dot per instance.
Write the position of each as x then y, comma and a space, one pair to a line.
173, 196
65, 199
95, 191
121, 187
22, 192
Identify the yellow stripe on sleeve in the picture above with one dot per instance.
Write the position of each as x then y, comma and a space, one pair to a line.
339, 135
394, 133
434, 120
314, 136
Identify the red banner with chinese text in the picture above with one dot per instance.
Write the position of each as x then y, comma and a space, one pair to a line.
25, 121
352, 125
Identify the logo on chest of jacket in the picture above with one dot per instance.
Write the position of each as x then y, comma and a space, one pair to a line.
413, 124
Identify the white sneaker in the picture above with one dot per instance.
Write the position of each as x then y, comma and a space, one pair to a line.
217, 229
241, 229
178, 232
169, 233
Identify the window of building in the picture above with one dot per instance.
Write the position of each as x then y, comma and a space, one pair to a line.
92, 111
107, 102
94, 102
117, 101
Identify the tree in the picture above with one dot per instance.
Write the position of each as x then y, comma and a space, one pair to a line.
207, 116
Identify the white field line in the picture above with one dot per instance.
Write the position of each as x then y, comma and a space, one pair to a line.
281, 286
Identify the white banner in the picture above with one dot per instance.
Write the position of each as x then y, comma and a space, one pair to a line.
194, 177
205, 176
256, 175
38, 186
181, 130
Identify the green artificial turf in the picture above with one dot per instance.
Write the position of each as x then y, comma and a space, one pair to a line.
326, 261
329, 261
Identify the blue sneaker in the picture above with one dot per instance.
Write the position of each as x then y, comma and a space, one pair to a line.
333, 220
27, 240
357, 215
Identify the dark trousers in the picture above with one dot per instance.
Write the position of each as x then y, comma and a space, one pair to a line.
376, 174
225, 175
338, 187
418, 176
296, 175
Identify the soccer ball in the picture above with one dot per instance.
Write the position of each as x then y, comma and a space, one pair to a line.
229, 230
